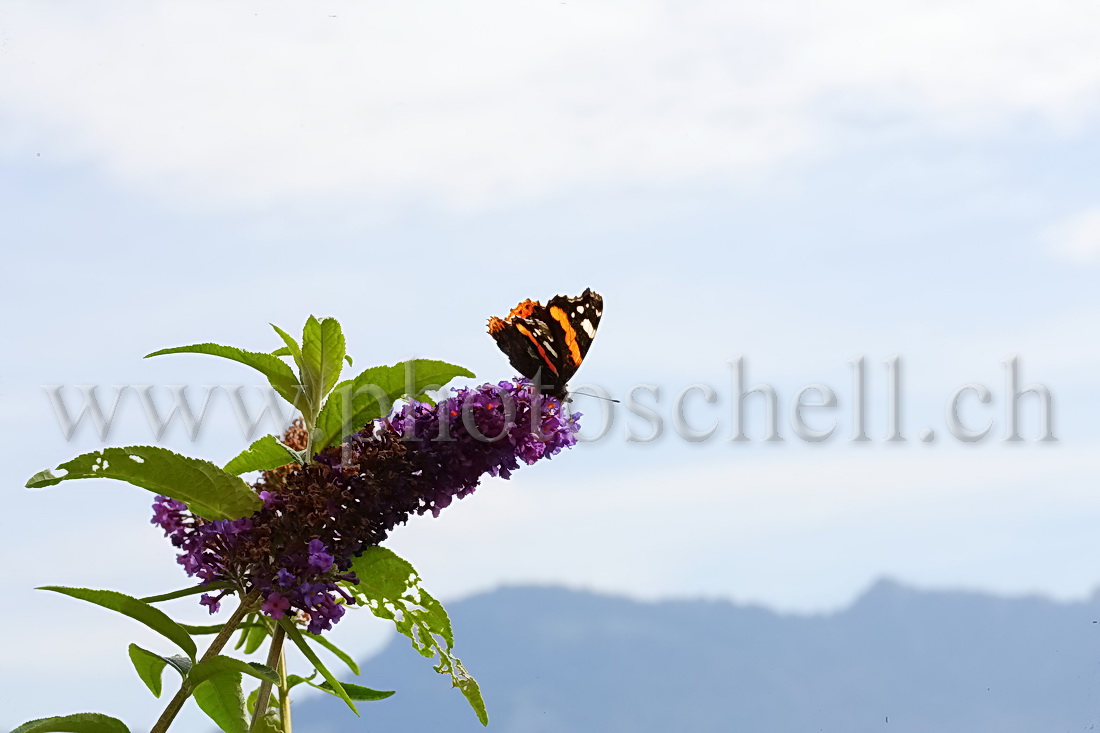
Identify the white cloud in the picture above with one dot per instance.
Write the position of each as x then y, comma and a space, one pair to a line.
261, 103
1076, 239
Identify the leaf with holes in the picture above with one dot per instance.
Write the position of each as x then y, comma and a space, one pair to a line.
390, 587
207, 490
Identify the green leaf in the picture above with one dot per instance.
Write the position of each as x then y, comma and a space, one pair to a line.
323, 351
202, 630
390, 587
192, 590
221, 664
355, 402
291, 349
272, 704
242, 630
152, 617
279, 375
347, 358
255, 637
150, 667
270, 723
263, 455
356, 692
78, 723
221, 698
293, 680
340, 653
294, 635
207, 490
253, 633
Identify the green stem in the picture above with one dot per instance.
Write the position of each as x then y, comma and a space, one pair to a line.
273, 657
310, 421
176, 703
284, 693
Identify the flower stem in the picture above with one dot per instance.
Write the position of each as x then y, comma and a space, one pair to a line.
274, 657
176, 703
284, 693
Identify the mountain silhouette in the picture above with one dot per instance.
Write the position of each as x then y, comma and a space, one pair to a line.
898, 660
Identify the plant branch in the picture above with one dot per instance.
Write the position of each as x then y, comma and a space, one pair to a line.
274, 656
176, 703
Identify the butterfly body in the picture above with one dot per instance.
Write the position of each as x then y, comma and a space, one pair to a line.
549, 341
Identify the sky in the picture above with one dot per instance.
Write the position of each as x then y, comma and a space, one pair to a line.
794, 184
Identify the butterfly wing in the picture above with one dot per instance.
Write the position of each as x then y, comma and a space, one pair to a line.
574, 322
553, 338
527, 342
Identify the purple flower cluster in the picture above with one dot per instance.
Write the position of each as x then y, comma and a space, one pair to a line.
297, 550
223, 551
488, 430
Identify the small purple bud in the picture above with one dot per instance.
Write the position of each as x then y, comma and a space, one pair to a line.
211, 602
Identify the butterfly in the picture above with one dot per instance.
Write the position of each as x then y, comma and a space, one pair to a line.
551, 338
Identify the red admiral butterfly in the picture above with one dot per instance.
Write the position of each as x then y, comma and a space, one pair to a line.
553, 338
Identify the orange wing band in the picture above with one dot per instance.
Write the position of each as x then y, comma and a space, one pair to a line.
570, 334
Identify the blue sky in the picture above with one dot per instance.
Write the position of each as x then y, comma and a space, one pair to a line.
797, 184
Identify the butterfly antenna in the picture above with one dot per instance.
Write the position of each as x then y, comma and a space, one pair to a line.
589, 394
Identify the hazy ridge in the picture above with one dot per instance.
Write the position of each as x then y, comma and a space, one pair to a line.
898, 660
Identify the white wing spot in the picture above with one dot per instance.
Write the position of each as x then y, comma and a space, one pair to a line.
588, 328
